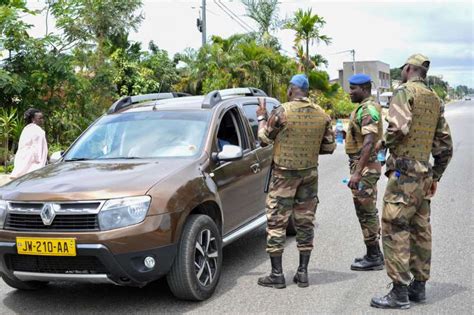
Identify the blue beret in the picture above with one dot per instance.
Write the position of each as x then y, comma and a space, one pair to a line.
301, 81
360, 78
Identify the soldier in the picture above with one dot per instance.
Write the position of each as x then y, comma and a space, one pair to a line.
416, 129
299, 131
365, 130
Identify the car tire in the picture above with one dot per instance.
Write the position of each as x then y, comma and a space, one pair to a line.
291, 228
197, 267
24, 285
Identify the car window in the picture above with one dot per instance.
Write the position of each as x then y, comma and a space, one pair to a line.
250, 110
231, 131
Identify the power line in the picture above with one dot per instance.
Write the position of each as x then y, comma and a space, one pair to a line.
235, 15
230, 15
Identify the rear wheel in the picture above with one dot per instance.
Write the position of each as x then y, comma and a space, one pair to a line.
291, 228
197, 266
24, 285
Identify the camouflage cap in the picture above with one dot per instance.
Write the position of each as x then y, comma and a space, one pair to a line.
417, 60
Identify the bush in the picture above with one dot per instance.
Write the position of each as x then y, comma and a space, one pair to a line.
337, 104
9, 169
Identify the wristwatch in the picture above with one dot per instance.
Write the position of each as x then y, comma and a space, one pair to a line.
261, 117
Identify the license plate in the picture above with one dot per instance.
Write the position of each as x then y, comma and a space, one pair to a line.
46, 246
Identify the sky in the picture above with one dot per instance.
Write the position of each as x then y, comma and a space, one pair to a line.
388, 31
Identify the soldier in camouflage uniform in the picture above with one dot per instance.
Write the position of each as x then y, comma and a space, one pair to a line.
299, 131
416, 129
365, 130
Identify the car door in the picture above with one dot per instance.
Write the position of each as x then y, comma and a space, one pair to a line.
238, 182
264, 154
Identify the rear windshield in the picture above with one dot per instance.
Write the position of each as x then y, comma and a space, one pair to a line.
152, 134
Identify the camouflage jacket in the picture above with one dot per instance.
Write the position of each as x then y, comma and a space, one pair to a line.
366, 116
399, 121
277, 121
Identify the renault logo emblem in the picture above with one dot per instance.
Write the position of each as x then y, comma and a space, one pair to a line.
48, 213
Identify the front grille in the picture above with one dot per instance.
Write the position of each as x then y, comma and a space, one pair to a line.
69, 216
47, 264
62, 222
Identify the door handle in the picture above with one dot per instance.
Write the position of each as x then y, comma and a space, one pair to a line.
255, 168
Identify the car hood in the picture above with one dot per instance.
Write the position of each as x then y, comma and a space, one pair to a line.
91, 180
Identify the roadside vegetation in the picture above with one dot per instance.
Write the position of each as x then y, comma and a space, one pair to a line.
75, 73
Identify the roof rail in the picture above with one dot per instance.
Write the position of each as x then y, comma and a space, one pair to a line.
127, 101
214, 97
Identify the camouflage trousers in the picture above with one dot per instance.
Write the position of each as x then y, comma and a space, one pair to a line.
406, 228
365, 200
291, 192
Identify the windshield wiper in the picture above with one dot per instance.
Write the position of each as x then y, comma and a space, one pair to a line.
121, 158
77, 159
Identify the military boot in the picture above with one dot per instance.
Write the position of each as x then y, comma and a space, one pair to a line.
372, 261
276, 279
416, 291
397, 298
301, 276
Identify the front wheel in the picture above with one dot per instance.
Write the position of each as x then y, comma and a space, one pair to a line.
197, 266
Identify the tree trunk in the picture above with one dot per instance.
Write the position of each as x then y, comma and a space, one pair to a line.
307, 57
6, 152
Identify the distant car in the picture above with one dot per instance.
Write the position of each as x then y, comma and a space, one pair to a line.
384, 99
467, 98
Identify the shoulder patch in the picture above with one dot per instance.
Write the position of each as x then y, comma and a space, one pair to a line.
373, 112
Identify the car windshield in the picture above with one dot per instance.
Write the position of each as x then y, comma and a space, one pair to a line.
151, 134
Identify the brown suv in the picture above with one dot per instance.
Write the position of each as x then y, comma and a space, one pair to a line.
155, 187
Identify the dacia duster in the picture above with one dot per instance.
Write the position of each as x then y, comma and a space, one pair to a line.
155, 187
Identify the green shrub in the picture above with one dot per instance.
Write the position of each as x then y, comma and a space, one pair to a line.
9, 169
336, 104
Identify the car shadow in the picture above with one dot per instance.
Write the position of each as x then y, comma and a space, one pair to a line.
63, 297
241, 258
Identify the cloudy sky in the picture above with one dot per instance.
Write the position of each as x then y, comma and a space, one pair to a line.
389, 31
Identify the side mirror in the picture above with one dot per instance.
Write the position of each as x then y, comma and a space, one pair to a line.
229, 153
56, 156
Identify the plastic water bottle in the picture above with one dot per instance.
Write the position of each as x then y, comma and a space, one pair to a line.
339, 129
381, 155
346, 181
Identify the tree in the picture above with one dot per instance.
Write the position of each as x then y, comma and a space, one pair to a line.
307, 27
265, 14
396, 74
7, 127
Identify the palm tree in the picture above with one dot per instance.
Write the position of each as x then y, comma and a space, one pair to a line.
307, 27
265, 14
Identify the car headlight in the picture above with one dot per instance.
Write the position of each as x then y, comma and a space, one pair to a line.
117, 213
3, 212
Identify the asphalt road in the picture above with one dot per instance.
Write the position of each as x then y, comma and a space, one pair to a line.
334, 287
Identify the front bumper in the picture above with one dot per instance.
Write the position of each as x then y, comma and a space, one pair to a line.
93, 263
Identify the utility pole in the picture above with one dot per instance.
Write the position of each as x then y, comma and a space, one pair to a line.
203, 22
353, 52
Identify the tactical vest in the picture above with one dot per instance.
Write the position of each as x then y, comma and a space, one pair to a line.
297, 145
354, 137
425, 111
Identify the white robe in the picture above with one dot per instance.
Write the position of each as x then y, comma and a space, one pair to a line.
32, 151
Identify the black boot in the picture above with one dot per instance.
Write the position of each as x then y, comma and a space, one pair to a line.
301, 276
397, 298
416, 291
372, 261
276, 279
